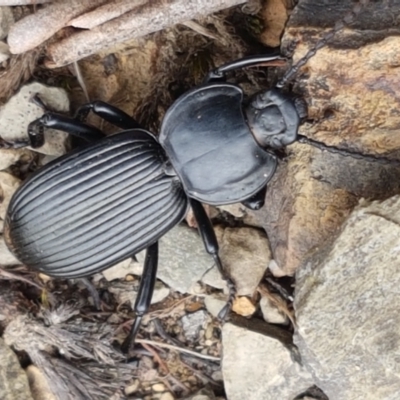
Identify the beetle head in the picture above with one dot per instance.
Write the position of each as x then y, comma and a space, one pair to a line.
273, 119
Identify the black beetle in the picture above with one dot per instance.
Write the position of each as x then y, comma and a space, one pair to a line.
105, 202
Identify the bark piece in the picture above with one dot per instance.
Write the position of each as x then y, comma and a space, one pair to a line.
105, 13
152, 17
36, 28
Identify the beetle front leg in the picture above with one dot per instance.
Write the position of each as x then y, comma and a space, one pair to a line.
256, 201
207, 233
145, 293
109, 113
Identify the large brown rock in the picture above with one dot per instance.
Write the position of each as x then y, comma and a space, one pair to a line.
350, 89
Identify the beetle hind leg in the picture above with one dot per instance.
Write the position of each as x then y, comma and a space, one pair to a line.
145, 294
211, 244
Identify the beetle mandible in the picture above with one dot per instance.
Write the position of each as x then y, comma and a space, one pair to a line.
106, 201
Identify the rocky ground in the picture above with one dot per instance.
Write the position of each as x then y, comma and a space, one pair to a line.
317, 269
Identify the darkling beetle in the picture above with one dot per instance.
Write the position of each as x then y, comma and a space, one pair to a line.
106, 201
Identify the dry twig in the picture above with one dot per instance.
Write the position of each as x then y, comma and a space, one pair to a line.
105, 13
34, 29
151, 17
179, 349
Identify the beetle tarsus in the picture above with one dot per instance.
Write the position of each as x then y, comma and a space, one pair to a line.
130, 339
145, 293
93, 292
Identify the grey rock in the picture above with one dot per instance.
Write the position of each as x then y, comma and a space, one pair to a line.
215, 304
4, 52
182, 259
120, 270
271, 314
8, 185
6, 20
6, 257
258, 367
19, 111
347, 307
203, 394
13, 380
245, 254
192, 323
127, 292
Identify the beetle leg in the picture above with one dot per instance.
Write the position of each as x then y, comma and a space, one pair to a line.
219, 74
109, 113
93, 292
56, 121
145, 294
207, 233
256, 201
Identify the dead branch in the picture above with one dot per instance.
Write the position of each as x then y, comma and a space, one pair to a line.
34, 29
22, 2
142, 20
105, 13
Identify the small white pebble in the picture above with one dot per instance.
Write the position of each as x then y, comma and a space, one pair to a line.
167, 396
158, 387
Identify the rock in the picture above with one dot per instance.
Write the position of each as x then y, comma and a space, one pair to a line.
13, 380
19, 111
241, 213
167, 396
6, 20
6, 257
126, 292
192, 323
351, 105
214, 304
158, 387
9, 157
257, 367
245, 254
8, 185
131, 389
243, 306
4, 52
182, 259
37, 382
203, 394
346, 305
119, 271
271, 314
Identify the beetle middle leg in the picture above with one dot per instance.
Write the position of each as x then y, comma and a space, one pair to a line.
256, 201
207, 233
109, 113
145, 293
62, 123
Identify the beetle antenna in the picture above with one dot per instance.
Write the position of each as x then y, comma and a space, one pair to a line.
347, 20
348, 153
